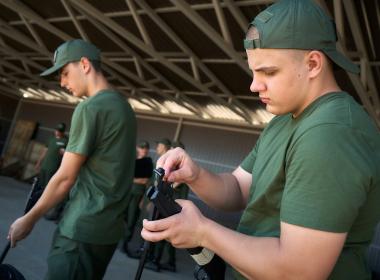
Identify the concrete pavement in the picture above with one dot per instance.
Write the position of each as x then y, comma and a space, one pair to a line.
29, 256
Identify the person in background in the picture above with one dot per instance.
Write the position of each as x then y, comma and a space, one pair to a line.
49, 162
143, 173
162, 146
51, 157
310, 188
97, 170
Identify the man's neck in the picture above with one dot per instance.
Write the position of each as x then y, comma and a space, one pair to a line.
96, 84
318, 89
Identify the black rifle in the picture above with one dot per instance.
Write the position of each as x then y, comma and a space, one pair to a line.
33, 197
209, 265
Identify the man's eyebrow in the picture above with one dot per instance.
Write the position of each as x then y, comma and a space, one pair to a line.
265, 68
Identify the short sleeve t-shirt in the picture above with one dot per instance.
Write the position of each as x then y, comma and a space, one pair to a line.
103, 129
320, 170
143, 169
53, 157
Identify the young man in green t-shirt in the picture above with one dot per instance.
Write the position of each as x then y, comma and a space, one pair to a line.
97, 168
310, 188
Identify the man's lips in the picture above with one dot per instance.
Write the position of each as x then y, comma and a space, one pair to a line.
264, 99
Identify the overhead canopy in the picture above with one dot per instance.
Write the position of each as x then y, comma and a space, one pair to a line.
171, 57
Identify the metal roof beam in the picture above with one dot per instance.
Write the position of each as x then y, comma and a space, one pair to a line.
7, 90
359, 41
32, 31
193, 108
222, 22
162, 10
19, 7
149, 50
77, 24
139, 23
18, 70
124, 81
16, 35
129, 74
179, 42
205, 27
237, 14
35, 17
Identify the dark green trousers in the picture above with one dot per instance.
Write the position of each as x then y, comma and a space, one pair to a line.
73, 260
132, 214
44, 177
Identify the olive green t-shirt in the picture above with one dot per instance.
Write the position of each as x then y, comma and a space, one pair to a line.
103, 129
53, 157
320, 170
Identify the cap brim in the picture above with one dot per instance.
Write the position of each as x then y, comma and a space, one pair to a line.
342, 61
52, 69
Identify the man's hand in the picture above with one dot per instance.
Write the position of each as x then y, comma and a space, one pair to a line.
184, 230
178, 166
19, 230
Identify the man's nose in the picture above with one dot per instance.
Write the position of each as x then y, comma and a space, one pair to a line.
62, 82
257, 86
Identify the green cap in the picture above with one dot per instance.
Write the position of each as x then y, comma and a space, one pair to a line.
61, 127
164, 141
178, 144
297, 24
71, 51
143, 144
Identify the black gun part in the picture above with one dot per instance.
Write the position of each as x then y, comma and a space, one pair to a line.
209, 265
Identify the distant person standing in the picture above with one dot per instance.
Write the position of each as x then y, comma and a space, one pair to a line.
51, 157
143, 173
156, 250
163, 145
97, 169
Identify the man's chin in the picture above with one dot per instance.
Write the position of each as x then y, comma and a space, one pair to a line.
75, 94
275, 111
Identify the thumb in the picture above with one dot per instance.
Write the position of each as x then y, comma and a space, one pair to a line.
9, 237
183, 202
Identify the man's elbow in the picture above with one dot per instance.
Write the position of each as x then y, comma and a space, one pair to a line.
65, 180
302, 271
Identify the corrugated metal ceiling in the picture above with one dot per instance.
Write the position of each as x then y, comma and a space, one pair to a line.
171, 57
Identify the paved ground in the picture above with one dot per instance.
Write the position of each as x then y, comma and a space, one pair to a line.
30, 254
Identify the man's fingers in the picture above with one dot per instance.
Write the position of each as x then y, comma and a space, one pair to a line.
183, 202
161, 160
11, 239
158, 225
153, 236
170, 161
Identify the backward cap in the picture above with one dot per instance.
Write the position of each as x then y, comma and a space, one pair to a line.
72, 51
297, 24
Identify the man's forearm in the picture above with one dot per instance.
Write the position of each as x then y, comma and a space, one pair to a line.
255, 258
300, 253
55, 191
220, 191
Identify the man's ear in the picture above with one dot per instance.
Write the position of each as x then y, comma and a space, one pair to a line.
315, 62
85, 64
